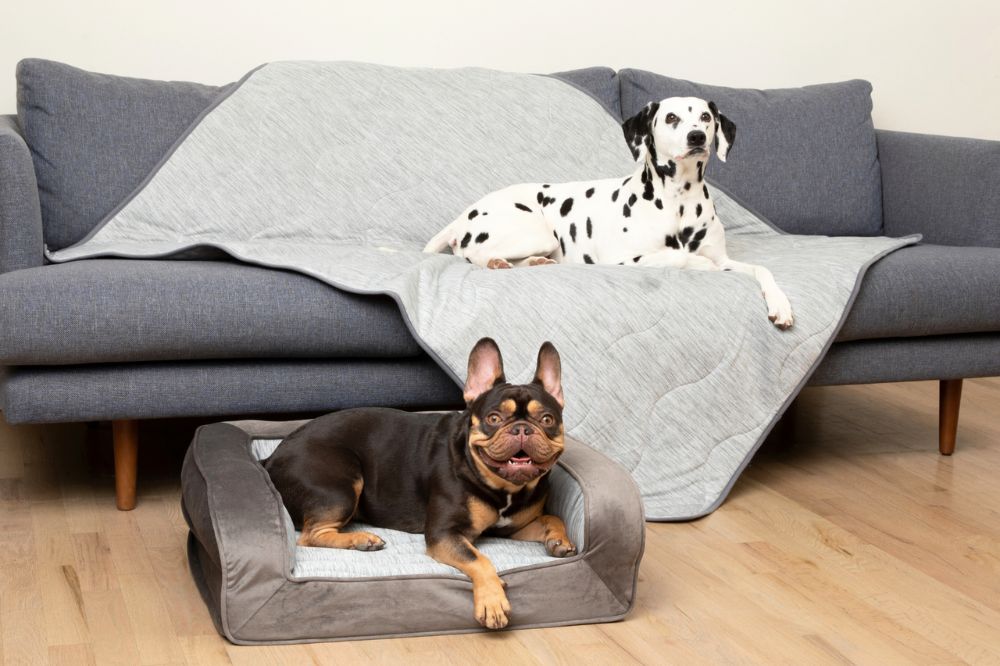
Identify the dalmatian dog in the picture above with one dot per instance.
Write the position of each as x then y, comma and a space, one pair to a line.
660, 215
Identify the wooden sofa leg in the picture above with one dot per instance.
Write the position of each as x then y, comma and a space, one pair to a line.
950, 398
126, 440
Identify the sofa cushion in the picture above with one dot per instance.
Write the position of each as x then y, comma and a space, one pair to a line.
94, 137
804, 158
121, 310
927, 290
111, 310
601, 83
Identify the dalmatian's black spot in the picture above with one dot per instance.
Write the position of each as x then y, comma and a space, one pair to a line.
625, 182
696, 241
572, 232
540, 198
465, 240
590, 193
704, 188
697, 210
473, 213
632, 199
624, 230
635, 260
647, 191
701, 173
626, 211
621, 263
555, 235
521, 206
482, 238
689, 109
666, 171
566, 207
671, 241
587, 259
590, 228
468, 261
614, 195
687, 186
701, 234
485, 213
645, 175
680, 211
562, 246
546, 201
659, 204
685, 235
545, 185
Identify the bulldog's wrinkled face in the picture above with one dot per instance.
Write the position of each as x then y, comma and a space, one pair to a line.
515, 430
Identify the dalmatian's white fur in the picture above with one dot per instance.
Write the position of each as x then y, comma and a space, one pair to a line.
660, 215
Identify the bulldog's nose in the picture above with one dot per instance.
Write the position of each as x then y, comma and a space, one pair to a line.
696, 138
521, 429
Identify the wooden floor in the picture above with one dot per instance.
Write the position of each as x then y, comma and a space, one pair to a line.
849, 540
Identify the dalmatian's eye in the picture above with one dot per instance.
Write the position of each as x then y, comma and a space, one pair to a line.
671, 118
706, 117
494, 419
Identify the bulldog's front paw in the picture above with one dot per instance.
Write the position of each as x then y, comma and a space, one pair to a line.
491, 605
560, 547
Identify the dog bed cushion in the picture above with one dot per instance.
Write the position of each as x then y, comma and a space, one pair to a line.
261, 587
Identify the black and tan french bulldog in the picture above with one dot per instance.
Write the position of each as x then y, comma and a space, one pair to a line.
452, 476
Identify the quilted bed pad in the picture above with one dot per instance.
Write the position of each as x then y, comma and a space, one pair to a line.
342, 171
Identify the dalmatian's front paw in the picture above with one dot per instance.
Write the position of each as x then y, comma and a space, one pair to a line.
779, 310
499, 263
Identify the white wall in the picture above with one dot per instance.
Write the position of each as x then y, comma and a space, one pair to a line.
935, 66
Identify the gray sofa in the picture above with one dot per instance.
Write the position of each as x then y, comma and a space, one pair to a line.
122, 340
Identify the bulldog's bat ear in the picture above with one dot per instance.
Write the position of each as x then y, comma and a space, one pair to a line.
638, 131
548, 372
725, 132
485, 369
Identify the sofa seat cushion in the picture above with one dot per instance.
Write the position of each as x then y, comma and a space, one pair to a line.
121, 310
927, 290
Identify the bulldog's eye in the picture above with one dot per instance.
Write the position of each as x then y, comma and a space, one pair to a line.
671, 118
548, 420
706, 117
494, 419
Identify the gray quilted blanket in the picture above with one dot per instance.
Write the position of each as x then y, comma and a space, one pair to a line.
343, 171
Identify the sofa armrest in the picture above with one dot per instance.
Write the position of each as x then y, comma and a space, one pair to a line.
945, 188
20, 212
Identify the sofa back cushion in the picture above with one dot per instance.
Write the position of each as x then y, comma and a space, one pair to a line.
804, 158
94, 137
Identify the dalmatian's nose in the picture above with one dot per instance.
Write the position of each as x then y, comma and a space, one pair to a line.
696, 138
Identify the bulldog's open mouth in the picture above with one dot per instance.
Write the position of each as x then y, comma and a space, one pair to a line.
519, 467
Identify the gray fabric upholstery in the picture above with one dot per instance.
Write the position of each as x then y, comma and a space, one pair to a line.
20, 216
601, 83
94, 137
120, 310
928, 290
910, 359
946, 188
804, 158
33, 394
242, 563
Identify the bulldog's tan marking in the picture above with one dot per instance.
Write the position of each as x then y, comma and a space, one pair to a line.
482, 516
508, 407
549, 530
488, 598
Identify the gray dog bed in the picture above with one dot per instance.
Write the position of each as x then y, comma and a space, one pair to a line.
261, 587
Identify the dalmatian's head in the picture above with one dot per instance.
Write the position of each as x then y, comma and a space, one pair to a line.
679, 128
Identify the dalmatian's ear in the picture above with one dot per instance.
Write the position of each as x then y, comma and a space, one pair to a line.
639, 131
725, 132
